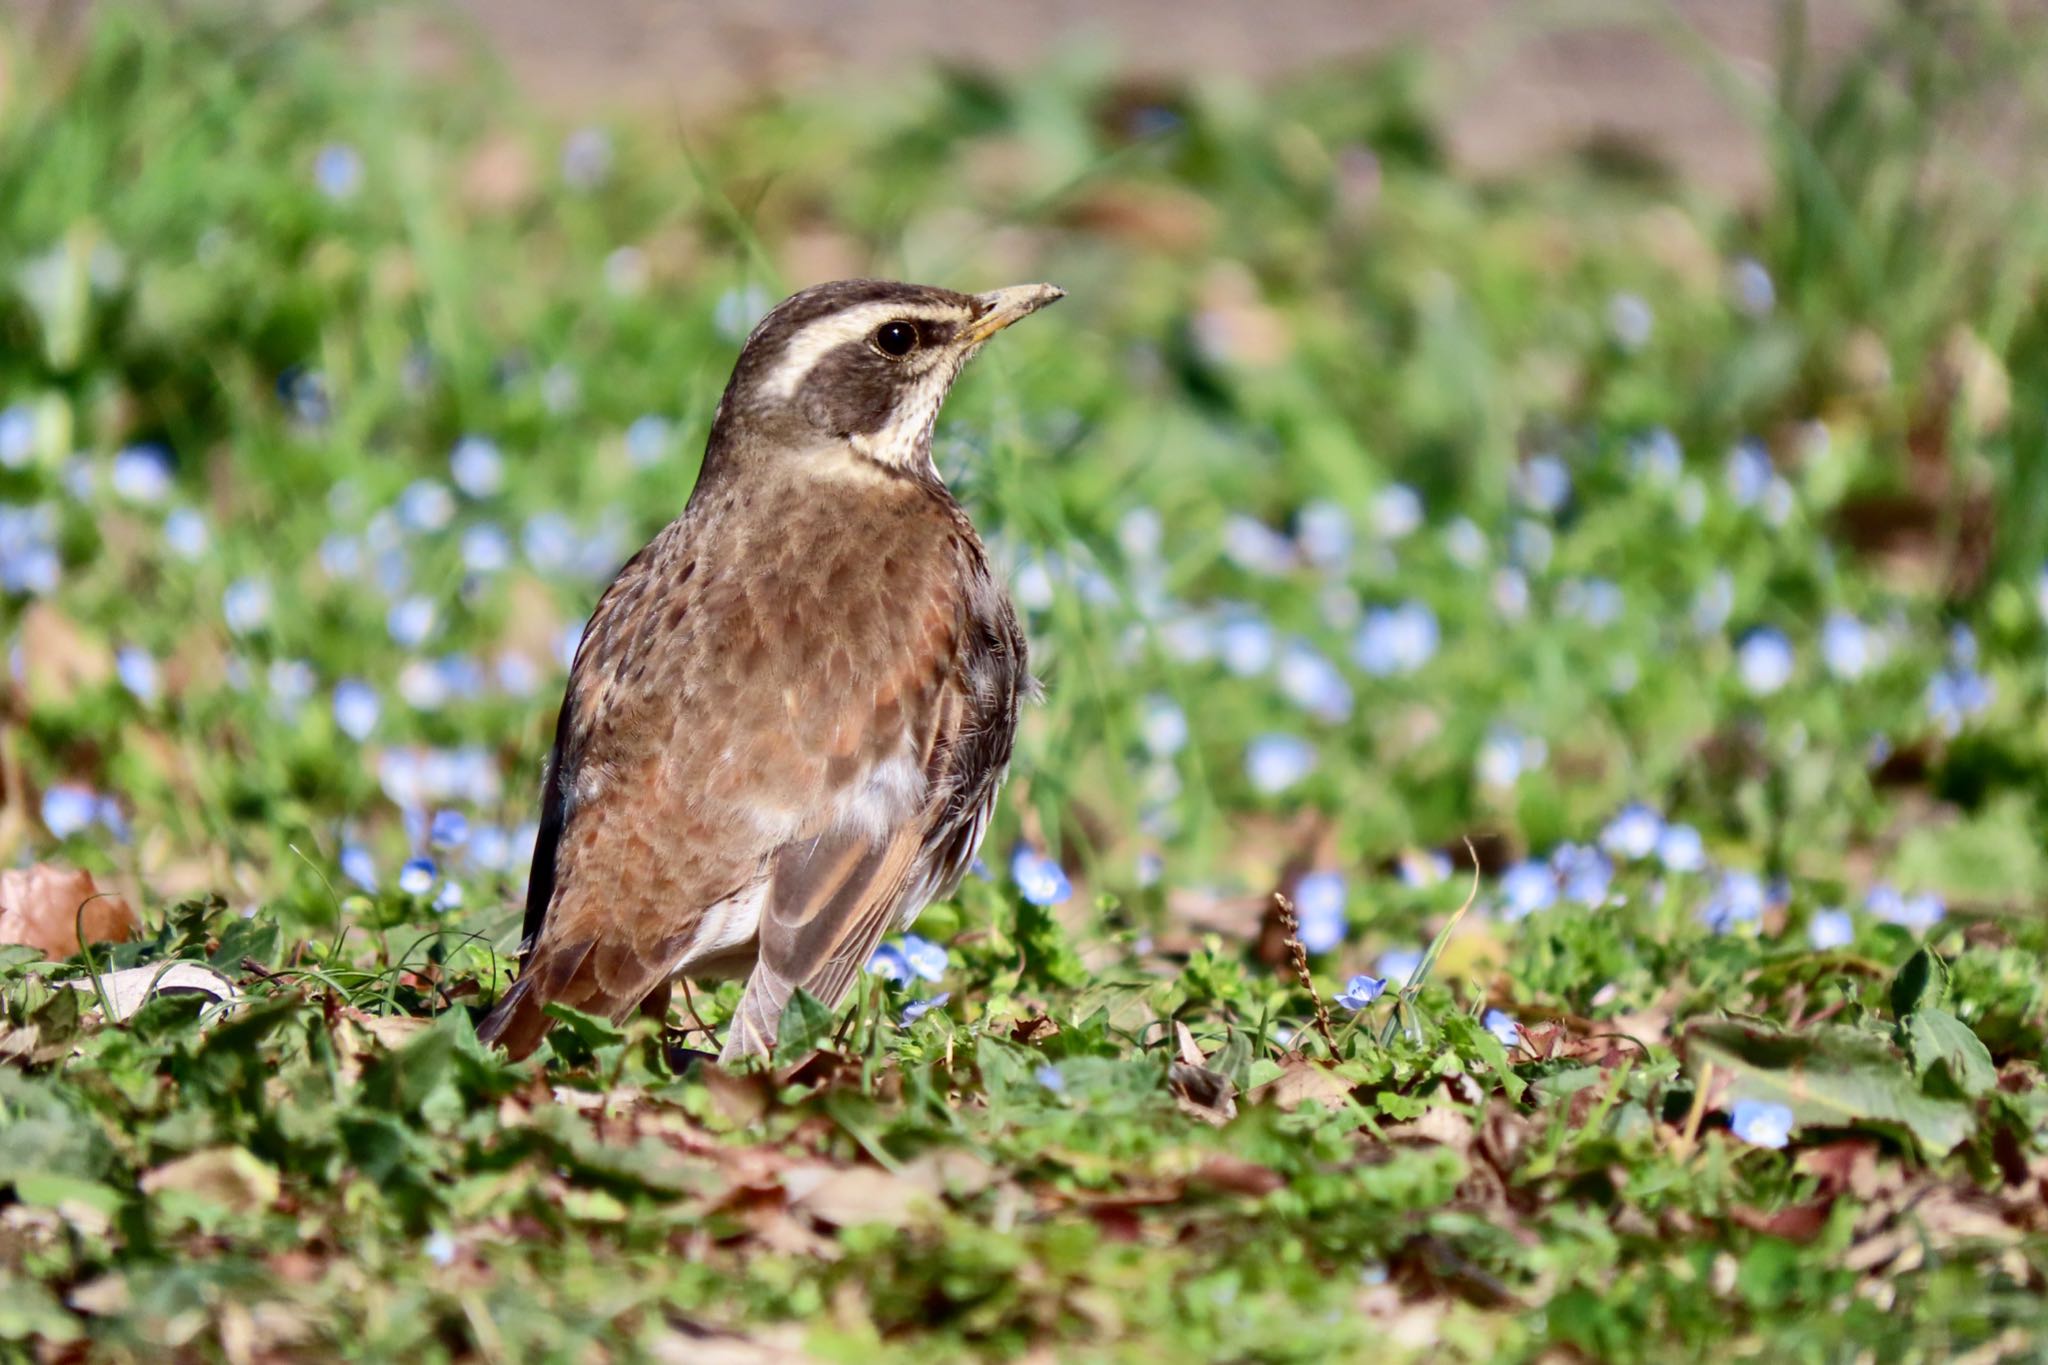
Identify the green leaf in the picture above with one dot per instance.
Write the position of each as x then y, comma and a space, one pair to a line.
1049, 959
806, 1024
1944, 1047
1922, 983
1833, 1076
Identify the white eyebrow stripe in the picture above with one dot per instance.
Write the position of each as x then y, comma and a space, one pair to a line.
819, 339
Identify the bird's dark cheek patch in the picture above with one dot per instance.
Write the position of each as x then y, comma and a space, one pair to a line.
851, 391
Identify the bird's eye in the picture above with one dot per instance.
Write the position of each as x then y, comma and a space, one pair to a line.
896, 338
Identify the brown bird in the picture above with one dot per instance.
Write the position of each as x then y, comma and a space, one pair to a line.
791, 712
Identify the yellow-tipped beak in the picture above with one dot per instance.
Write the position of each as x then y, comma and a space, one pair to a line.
1005, 306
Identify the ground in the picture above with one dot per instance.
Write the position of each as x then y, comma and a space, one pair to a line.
1531, 848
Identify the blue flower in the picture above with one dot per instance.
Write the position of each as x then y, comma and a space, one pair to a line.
737, 310
448, 829
1396, 512
1584, 874
137, 670
924, 957
1739, 899
887, 962
1764, 661
1394, 640
1748, 472
1506, 754
422, 686
549, 542
185, 533
1830, 929
358, 866
449, 897
1361, 990
1761, 1123
1632, 834
142, 473
410, 620
918, 1009
1681, 849
1845, 646
1526, 888
1323, 531
1141, 532
1049, 1076
1313, 683
1919, 912
1398, 965
586, 158
1502, 1025
17, 436
1275, 762
1465, 543
440, 1249
1544, 484
291, 682
1163, 726
490, 848
426, 505
647, 441
1750, 286
246, 605
485, 549
1956, 695
476, 466
341, 555
416, 878
338, 171
1040, 879
1256, 547
1630, 321
1714, 603
517, 675
1245, 644
69, 809
1656, 458
1319, 910
1509, 593
304, 392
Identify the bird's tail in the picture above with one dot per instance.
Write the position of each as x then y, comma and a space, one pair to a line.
519, 1022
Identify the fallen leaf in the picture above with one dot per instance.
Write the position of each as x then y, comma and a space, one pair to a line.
1796, 1223
129, 989
1201, 1093
59, 659
231, 1177
1235, 1175
846, 1196
46, 907
1300, 1081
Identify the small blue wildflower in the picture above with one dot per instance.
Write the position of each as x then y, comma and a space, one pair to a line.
422, 686
647, 441
1633, 833
1544, 484
1256, 547
69, 809
1681, 849
1845, 646
246, 605
107, 811
549, 542
1531, 545
1313, 683
1714, 603
1322, 530
1738, 899
1919, 912
358, 866
1396, 640
918, 1009
1040, 879
924, 957
410, 620
1630, 321
737, 310
426, 505
1421, 868
440, 1249
486, 549
1141, 532
1509, 593
1527, 887
338, 171
355, 708
304, 393
1749, 284
586, 158
1962, 645
1505, 754
137, 670
291, 682
17, 436
416, 878
341, 555
1830, 929
517, 675
477, 466
1957, 695
1502, 1025
185, 533
1465, 543
490, 848
1584, 874
449, 897
1275, 762
1360, 991
1748, 472
1162, 726
1245, 643
1319, 910
1396, 512
887, 962
1398, 965
1761, 1123
1049, 1076
1656, 458
1764, 661
567, 642
142, 473
448, 829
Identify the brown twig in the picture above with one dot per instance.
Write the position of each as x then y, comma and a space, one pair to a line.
1297, 953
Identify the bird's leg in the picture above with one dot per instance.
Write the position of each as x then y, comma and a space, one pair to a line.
697, 1024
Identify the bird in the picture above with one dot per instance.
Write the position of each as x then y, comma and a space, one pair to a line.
790, 714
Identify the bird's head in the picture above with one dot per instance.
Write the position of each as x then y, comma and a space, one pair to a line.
859, 366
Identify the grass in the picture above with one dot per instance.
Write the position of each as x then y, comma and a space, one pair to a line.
1688, 563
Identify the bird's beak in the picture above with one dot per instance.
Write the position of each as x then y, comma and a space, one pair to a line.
1001, 307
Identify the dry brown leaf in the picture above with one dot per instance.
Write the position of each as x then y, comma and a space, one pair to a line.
232, 1177
1235, 1175
850, 1195
1201, 1093
45, 907
1301, 1080
59, 659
